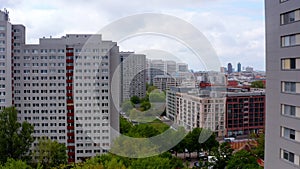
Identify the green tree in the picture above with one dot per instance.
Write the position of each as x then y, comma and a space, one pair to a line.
125, 126
50, 153
143, 131
15, 164
243, 160
145, 106
222, 155
152, 162
150, 88
259, 151
135, 100
157, 96
193, 142
258, 84
15, 137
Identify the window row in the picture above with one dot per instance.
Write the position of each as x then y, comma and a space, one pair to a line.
39, 64
82, 58
37, 57
43, 71
39, 91
35, 51
43, 104
39, 84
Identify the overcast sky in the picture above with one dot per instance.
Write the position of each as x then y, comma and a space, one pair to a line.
235, 28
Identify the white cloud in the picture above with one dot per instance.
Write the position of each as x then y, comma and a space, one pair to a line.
235, 28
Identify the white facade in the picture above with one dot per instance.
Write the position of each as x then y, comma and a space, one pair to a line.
62, 86
133, 75
5, 60
192, 111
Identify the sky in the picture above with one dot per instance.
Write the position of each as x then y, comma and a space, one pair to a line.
234, 28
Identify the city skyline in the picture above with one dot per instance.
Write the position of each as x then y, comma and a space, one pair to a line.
247, 45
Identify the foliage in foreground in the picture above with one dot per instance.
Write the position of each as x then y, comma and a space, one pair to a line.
15, 137
50, 153
110, 161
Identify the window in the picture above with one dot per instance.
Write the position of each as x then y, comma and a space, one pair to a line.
290, 63
289, 156
288, 133
290, 17
290, 87
288, 110
281, 1
290, 40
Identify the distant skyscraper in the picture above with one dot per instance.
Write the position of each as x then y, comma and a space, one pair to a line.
229, 68
239, 67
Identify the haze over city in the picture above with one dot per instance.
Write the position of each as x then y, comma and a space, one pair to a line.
234, 28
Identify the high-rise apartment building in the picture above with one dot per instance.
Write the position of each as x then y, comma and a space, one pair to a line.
283, 84
133, 75
5, 60
62, 86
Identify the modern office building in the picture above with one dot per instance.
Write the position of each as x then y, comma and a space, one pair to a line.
282, 145
133, 75
190, 108
229, 68
239, 67
61, 86
245, 112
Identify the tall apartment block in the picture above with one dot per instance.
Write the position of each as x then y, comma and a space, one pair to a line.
133, 75
5, 60
283, 84
61, 86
